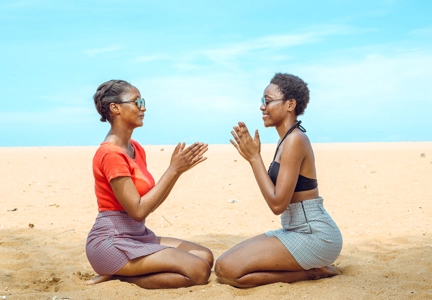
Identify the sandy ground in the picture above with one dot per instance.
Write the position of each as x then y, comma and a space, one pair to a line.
380, 195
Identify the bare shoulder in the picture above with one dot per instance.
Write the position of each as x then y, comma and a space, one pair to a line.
298, 151
298, 141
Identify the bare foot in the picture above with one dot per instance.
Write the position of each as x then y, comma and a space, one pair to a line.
327, 271
98, 279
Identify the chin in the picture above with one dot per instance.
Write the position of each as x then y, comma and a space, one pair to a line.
267, 124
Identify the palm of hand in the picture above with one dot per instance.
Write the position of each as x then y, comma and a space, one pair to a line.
245, 145
183, 159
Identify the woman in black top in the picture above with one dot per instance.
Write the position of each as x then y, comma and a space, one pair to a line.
309, 240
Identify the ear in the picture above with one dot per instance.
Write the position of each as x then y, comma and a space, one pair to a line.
292, 103
114, 108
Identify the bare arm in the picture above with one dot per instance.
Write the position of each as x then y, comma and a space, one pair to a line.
140, 207
277, 196
167, 192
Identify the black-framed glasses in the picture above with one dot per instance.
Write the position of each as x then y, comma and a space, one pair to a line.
265, 102
139, 102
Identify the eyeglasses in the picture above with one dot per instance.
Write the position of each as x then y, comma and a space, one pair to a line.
139, 102
265, 102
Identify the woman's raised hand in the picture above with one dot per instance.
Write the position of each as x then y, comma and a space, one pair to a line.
247, 147
184, 159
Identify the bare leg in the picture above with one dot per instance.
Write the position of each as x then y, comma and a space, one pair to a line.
185, 264
261, 278
263, 260
190, 247
151, 281
244, 244
161, 281
264, 277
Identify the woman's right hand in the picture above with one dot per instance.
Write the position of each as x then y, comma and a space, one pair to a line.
248, 147
184, 159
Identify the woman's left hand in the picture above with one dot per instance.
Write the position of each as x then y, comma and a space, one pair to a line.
247, 147
184, 159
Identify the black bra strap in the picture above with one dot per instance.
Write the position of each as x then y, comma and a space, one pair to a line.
297, 125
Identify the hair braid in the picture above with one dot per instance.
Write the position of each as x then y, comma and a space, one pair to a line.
107, 93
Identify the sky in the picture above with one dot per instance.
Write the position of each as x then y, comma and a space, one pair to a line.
202, 66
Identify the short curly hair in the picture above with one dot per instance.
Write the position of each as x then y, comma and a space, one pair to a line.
107, 93
292, 87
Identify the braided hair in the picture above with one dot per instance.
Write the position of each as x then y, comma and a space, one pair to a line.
293, 87
107, 93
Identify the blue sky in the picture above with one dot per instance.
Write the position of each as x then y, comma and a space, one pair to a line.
203, 65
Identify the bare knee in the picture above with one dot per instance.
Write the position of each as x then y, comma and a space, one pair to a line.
228, 272
224, 271
199, 273
208, 256
205, 254
219, 269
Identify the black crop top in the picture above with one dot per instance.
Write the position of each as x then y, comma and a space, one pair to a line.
303, 183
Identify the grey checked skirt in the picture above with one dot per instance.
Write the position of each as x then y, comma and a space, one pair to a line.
309, 234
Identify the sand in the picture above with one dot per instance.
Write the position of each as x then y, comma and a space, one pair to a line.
380, 195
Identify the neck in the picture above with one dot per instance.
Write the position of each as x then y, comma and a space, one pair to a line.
119, 137
284, 127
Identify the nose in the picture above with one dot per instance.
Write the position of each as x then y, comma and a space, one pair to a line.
143, 108
262, 107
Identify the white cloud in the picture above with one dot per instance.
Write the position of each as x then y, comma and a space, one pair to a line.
97, 51
59, 108
79, 96
275, 42
25, 4
264, 47
373, 92
218, 92
346, 84
150, 58
235, 50
383, 78
51, 116
378, 97
425, 31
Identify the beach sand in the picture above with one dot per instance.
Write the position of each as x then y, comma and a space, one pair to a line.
379, 194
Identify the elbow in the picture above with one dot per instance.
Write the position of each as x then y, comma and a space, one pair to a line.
139, 219
278, 205
137, 212
137, 216
277, 210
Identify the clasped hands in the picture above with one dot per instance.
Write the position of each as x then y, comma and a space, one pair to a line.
247, 147
184, 159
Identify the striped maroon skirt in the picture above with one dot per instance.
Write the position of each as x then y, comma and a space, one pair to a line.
115, 239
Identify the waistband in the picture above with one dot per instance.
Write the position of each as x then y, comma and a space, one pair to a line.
307, 203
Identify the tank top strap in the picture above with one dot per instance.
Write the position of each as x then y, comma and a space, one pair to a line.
297, 125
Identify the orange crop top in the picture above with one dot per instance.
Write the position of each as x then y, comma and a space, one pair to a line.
109, 162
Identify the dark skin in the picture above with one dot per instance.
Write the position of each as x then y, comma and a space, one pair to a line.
261, 259
186, 263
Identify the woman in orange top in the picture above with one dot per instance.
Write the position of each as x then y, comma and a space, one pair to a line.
120, 246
